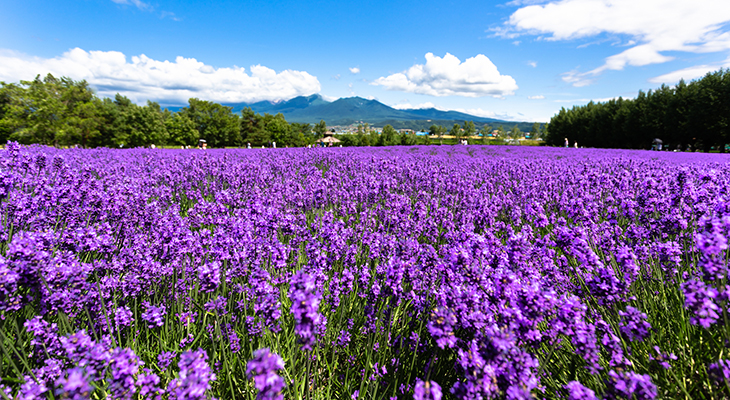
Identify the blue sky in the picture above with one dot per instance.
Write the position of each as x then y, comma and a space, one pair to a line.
521, 60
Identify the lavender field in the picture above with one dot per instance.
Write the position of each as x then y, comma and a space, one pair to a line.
454, 272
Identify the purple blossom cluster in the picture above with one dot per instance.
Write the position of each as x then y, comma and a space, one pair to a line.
492, 271
263, 369
305, 308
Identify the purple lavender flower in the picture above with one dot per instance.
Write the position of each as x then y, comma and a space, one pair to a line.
165, 359
31, 389
147, 383
576, 391
58, 162
662, 358
74, 385
720, 372
235, 342
699, 299
45, 335
217, 305
209, 275
627, 261
41, 161
154, 316
6, 186
305, 308
124, 367
627, 385
123, 317
262, 368
194, 377
428, 390
441, 327
633, 324
605, 286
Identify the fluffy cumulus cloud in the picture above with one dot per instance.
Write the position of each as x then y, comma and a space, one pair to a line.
143, 78
448, 76
654, 28
355, 70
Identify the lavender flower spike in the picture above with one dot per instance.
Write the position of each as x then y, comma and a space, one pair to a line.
428, 390
263, 369
305, 308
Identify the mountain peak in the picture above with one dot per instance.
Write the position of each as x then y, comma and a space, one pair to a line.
349, 110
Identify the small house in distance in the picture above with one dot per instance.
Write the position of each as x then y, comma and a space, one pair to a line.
327, 140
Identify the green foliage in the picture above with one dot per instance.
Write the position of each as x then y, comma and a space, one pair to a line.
181, 130
694, 115
140, 126
320, 128
214, 122
388, 137
48, 111
455, 131
535, 131
278, 129
469, 128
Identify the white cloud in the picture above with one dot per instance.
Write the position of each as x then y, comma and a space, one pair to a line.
137, 3
448, 76
653, 27
599, 100
538, 97
354, 70
533, 64
518, 3
478, 112
408, 106
166, 82
688, 74
168, 14
578, 79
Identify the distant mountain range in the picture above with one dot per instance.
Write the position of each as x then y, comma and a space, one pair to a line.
354, 110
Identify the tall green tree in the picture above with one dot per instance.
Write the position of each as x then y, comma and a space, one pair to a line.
45, 110
279, 130
320, 128
300, 134
456, 132
214, 122
389, 136
535, 131
140, 126
438, 131
181, 130
82, 124
8, 121
252, 128
469, 128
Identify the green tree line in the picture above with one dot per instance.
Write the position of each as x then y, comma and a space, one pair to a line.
63, 112
691, 116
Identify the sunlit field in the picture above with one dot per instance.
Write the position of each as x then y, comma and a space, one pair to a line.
454, 272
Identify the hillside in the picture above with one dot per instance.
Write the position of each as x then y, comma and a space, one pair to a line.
354, 110
351, 110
